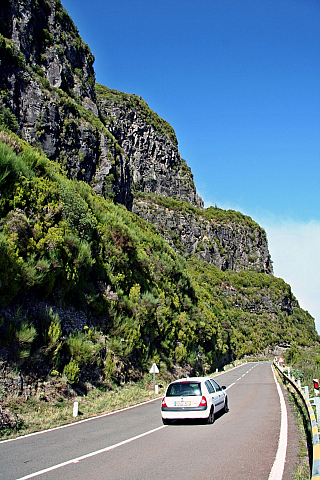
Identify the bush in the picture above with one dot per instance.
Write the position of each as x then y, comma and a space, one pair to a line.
8, 119
72, 372
80, 348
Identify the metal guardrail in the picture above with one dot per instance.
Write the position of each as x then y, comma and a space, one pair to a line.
313, 422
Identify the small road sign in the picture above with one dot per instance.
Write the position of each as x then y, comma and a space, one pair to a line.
154, 369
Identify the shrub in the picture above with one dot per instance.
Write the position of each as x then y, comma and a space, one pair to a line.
80, 348
76, 211
109, 366
54, 332
72, 372
8, 119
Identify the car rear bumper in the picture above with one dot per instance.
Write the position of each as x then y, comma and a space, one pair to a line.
176, 413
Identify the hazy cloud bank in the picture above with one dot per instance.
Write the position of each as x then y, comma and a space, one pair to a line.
294, 249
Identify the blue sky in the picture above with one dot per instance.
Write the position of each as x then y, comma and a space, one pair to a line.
239, 81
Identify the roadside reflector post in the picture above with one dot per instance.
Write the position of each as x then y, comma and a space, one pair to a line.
316, 386
154, 369
289, 372
156, 388
281, 363
75, 409
299, 383
306, 391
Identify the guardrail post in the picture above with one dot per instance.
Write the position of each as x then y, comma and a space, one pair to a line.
316, 402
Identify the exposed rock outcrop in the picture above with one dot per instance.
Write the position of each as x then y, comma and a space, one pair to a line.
150, 145
48, 82
228, 244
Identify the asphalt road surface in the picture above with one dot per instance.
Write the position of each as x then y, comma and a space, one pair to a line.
134, 445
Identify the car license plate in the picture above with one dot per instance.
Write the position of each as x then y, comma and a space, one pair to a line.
182, 403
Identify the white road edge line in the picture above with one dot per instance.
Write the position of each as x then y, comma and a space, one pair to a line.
279, 462
88, 455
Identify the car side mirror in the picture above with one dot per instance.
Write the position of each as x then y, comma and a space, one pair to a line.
224, 387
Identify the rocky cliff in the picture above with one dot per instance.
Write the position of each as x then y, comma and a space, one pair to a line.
116, 143
229, 240
111, 140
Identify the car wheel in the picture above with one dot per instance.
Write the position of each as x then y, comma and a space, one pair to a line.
226, 406
210, 419
166, 421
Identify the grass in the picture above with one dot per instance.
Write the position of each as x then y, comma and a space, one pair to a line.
38, 415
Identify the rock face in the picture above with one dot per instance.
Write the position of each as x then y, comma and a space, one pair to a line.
150, 145
49, 83
109, 139
228, 244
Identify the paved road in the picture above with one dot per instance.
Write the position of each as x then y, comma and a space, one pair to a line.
134, 445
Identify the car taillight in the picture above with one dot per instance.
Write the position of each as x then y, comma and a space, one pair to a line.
164, 402
203, 402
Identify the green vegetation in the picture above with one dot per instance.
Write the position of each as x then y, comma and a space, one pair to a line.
304, 363
213, 214
10, 53
249, 308
62, 243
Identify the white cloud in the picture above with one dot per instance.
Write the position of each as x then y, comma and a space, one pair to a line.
294, 249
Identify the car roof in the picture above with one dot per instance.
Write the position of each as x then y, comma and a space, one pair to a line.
191, 379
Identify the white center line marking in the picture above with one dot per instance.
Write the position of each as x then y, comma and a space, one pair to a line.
230, 385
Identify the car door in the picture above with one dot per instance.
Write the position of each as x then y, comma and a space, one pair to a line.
214, 395
220, 395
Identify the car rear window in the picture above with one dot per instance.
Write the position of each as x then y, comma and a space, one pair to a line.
184, 388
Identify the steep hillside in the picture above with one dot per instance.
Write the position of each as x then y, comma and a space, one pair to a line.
91, 285
108, 260
150, 144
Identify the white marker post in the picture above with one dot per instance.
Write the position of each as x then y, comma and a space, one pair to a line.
75, 409
154, 369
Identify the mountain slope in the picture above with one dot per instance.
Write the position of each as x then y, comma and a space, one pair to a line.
108, 260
